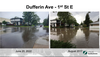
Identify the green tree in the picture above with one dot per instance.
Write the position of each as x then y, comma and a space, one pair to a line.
85, 25
45, 22
98, 19
87, 20
64, 16
28, 16
90, 21
31, 17
35, 20
71, 20
76, 24
4, 22
81, 23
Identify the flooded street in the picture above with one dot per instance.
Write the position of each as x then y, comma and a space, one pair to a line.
24, 37
81, 37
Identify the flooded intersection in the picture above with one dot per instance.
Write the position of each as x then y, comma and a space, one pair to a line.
81, 37
24, 37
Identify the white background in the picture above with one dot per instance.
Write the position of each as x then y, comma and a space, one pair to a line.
78, 5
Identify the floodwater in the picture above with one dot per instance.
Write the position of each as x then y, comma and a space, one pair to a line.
23, 37
81, 37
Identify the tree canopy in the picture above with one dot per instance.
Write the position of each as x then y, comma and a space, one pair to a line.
71, 20
87, 19
63, 16
46, 21
4, 22
67, 18
31, 17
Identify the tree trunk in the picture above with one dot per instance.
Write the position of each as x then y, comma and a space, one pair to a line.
69, 25
28, 22
64, 22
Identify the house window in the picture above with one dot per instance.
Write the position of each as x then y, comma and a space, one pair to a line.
91, 24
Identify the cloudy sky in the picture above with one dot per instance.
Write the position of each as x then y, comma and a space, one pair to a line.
10, 15
80, 16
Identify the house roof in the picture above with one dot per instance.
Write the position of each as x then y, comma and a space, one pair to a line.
15, 18
95, 22
54, 20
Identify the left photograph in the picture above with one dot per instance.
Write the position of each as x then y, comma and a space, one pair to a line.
24, 29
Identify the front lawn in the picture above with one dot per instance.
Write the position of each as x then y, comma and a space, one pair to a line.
46, 26
61, 44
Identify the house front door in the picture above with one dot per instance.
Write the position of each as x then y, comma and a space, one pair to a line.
17, 23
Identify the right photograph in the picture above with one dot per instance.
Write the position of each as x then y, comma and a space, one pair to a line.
74, 29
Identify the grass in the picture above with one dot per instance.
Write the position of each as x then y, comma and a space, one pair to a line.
32, 25
86, 27
17, 26
61, 44
46, 26
22, 26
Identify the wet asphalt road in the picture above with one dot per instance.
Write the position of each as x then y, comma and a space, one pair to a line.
21, 37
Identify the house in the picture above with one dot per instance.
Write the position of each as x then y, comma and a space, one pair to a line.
0, 23
94, 26
16, 21
55, 23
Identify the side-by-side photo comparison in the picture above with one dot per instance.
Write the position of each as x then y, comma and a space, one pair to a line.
74, 29
54, 29
24, 29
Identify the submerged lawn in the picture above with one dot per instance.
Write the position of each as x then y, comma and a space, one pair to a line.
46, 26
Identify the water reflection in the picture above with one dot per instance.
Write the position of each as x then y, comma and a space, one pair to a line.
87, 33
65, 34
81, 37
47, 30
17, 37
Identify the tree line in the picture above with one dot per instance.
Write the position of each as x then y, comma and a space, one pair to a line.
87, 20
46, 21
31, 18
67, 18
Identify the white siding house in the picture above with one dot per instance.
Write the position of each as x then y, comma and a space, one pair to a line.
55, 23
16, 21
94, 26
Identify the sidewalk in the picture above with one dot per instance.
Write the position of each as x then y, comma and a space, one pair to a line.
42, 42
0, 29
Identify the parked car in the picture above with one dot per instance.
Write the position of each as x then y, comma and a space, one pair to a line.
40, 25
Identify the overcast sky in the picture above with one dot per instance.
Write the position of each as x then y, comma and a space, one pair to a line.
80, 16
10, 15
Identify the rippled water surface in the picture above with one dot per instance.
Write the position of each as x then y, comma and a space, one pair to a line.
21, 37
81, 37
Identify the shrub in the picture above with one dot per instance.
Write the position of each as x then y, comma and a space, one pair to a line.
25, 24
61, 27
61, 44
